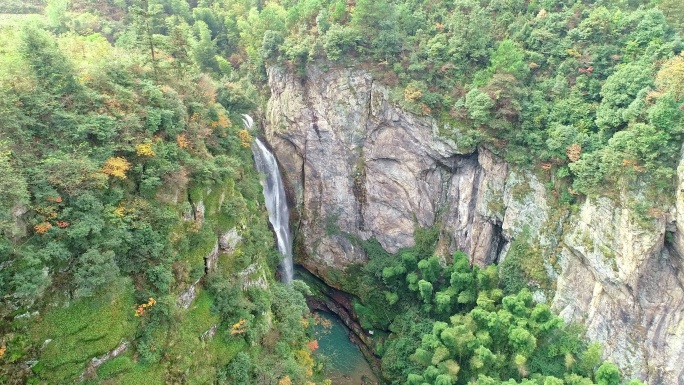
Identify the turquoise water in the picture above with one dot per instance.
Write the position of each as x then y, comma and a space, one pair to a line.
344, 362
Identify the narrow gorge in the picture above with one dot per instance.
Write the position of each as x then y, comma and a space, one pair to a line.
361, 168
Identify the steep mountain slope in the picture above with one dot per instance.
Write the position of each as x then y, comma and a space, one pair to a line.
134, 244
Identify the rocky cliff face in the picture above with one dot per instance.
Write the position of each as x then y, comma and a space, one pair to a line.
360, 167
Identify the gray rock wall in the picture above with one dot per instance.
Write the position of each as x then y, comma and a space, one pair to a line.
360, 166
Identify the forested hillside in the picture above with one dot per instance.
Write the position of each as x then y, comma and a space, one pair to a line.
132, 219
124, 163
589, 90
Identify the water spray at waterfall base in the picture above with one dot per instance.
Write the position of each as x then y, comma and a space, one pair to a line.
276, 202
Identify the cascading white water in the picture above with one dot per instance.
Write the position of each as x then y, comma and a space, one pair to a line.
276, 203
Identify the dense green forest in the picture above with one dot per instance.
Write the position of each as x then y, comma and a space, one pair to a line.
124, 160
459, 324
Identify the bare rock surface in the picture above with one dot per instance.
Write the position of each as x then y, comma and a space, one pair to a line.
624, 284
229, 240
360, 166
96, 362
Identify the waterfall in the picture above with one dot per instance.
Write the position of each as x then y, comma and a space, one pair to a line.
276, 204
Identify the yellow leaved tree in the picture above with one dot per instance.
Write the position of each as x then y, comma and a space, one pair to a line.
145, 149
245, 138
116, 167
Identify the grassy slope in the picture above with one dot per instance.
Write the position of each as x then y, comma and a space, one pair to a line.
87, 328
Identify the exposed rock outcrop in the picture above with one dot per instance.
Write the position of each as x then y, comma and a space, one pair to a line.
187, 296
210, 333
229, 240
18, 215
624, 285
363, 167
360, 167
211, 260
96, 362
253, 276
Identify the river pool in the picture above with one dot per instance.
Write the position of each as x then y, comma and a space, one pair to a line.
344, 362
